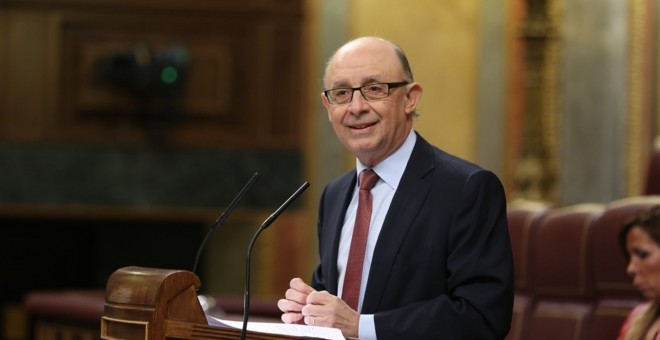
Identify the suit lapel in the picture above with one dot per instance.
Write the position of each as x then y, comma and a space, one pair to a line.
407, 201
337, 215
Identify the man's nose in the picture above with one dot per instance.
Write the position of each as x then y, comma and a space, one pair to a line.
358, 103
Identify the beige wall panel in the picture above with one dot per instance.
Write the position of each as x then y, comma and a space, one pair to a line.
441, 39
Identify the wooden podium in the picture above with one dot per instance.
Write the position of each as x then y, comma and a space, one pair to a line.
154, 304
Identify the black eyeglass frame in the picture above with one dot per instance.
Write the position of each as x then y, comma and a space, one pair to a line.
390, 87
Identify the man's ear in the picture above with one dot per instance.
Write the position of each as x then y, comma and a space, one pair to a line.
412, 97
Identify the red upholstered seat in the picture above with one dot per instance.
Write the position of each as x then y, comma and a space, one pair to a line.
565, 320
85, 306
609, 315
523, 218
563, 253
562, 282
522, 309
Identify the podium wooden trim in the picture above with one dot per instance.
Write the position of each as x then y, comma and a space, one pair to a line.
155, 304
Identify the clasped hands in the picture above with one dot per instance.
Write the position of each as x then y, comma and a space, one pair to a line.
304, 305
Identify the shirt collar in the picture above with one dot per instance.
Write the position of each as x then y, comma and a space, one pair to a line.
390, 170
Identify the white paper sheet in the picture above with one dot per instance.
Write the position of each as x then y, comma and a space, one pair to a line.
281, 328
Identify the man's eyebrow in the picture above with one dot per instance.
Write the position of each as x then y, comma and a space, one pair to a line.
365, 81
339, 84
373, 79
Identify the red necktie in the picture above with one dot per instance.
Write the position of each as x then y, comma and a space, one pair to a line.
353, 277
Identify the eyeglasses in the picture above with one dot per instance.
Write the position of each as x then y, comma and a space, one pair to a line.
373, 91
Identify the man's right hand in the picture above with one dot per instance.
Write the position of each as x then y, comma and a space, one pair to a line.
294, 300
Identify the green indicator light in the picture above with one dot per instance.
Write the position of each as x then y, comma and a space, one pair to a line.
169, 75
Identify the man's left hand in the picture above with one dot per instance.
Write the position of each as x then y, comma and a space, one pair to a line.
327, 310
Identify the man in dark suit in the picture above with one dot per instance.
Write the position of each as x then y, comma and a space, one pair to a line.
437, 262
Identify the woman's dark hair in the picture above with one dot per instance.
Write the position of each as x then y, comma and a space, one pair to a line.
648, 220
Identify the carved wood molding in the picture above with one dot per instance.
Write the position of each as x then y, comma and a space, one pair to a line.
535, 167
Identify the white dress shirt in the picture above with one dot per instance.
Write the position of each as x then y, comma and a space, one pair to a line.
390, 171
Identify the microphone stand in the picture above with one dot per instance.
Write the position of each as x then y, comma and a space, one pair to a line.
222, 218
264, 225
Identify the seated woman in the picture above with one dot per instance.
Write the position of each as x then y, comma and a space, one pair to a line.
640, 241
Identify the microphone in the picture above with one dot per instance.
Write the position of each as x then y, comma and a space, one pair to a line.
222, 218
264, 225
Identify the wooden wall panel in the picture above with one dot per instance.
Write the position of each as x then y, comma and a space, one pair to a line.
240, 90
24, 84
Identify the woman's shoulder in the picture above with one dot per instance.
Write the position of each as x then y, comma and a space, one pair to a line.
636, 311
639, 309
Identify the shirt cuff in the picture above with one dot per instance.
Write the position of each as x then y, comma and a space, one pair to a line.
366, 327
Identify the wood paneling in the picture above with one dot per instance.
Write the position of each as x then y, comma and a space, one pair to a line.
240, 89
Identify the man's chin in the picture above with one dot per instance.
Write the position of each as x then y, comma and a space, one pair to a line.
361, 146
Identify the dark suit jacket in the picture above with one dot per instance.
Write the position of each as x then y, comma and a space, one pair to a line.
442, 266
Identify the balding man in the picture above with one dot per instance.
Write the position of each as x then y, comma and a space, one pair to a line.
422, 251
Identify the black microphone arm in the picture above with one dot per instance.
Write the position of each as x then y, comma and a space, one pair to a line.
222, 218
267, 222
